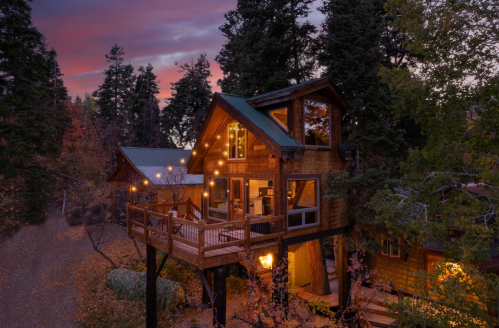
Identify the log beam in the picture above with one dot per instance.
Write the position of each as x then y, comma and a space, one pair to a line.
344, 282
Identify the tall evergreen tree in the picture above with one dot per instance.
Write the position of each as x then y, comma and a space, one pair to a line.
115, 97
186, 108
146, 109
32, 97
268, 46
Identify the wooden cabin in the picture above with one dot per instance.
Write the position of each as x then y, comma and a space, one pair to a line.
264, 162
142, 177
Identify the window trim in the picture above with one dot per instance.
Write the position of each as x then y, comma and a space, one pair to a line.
276, 120
389, 252
303, 211
330, 124
246, 198
237, 149
213, 209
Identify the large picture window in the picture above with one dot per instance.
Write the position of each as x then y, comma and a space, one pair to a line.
260, 197
218, 202
303, 203
317, 124
237, 141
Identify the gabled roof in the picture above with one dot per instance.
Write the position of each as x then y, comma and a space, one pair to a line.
150, 161
261, 121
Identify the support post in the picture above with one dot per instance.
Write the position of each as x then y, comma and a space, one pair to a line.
280, 277
207, 294
344, 283
170, 233
146, 222
128, 222
188, 208
151, 305
220, 297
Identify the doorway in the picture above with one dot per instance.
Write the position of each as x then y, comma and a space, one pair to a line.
237, 199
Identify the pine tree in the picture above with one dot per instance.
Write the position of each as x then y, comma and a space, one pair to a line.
115, 98
32, 96
268, 46
186, 108
146, 109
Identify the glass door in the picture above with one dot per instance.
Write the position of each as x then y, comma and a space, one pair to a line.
237, 199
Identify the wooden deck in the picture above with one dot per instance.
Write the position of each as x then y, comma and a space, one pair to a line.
202, 244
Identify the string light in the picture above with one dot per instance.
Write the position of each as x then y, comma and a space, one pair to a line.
133, 188
220, 163
217, 172
146, 182
205, 194
225, 153
182, 161
218, 137
158, 175
194, 153
170, 168
206, 145
212, 183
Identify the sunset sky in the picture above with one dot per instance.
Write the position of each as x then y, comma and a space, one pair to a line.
159, 32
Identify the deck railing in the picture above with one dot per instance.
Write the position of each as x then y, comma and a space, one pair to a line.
158, 222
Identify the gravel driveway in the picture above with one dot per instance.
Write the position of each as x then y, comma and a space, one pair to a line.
36, 278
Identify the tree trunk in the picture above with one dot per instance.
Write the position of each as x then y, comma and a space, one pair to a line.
318, 269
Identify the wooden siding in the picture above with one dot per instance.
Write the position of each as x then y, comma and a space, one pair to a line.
194, 192
398, 271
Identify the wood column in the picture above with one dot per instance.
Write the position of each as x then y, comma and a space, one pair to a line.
151, 305
220, 296
280, 275
344, 283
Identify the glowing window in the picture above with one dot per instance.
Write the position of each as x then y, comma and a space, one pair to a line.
303, 203
237, 141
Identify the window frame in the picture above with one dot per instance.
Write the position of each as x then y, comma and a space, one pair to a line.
246, 198
276, 120
213, 209
237, 149
389, 252
303, 211
330, 124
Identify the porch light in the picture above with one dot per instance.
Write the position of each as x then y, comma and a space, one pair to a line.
266, 261
158, 175
146, 182
170, 168
205, 194
194, 153
216, 172
134, 188
182, 161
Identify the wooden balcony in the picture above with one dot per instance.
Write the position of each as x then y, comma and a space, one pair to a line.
193, 239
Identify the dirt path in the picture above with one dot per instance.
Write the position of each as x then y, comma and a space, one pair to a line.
36, 278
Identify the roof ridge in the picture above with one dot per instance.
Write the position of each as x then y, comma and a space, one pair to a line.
232, 95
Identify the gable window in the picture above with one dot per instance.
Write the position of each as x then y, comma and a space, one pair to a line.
280, 116
218, 202
390, 249
317, 123
237, 141
303, 203
260, 197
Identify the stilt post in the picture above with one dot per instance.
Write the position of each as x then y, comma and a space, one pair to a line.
279, 277
344, 283
220, 297
151, 305
207, 294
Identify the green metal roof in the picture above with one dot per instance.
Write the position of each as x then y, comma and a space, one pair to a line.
261, 121
150, 161
291, 87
